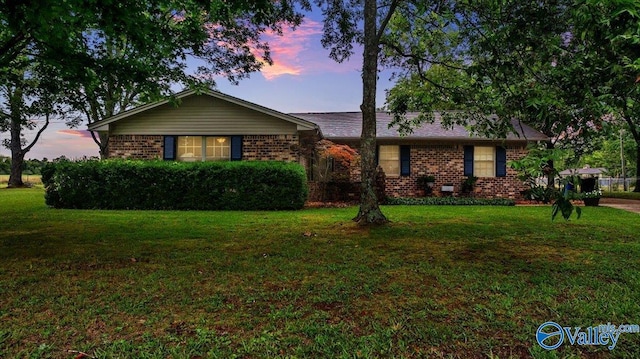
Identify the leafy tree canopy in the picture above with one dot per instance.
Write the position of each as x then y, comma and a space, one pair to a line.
108, 55
527, 60
71, 34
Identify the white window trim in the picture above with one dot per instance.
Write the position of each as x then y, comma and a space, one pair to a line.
493, 161
388, 174
203, 149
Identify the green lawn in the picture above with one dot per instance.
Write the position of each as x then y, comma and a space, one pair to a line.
439, 282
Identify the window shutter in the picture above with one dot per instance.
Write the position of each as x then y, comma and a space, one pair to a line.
405, 160
169, 151
236, 148
377, 155
501, 162
468, 161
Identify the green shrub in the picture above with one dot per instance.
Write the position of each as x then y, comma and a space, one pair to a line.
118, 184
623, 195
455, 201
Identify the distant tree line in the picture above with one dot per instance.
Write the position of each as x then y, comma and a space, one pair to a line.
29, 167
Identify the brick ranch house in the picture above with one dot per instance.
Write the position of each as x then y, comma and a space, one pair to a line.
209, 126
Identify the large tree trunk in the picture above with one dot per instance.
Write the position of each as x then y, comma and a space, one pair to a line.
104, 145
17, 154
15, 142
102, 140
369, 212
637, 188
15, 178
636, 137
551, 174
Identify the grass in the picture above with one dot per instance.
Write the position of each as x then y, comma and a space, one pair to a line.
439, 282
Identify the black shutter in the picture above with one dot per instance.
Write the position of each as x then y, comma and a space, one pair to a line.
236, 148
468, 161
405, 160
377, 156
169, 152
501, 162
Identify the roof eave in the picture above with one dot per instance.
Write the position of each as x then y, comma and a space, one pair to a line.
455, 138
136, 110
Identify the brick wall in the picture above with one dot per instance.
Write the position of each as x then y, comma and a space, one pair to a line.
254, 147
445, 162
136, 147
271, 148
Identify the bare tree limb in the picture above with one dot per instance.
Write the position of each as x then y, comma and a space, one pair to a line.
44, 127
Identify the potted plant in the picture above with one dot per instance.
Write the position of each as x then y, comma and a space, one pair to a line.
468, 184
592, 198
426, 183
590, 192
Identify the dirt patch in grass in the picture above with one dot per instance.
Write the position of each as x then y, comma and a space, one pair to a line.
517, 251
329, 204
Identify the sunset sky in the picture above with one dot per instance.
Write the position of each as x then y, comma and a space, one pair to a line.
302, 79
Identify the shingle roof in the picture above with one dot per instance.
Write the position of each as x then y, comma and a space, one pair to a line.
348, 125
583, 171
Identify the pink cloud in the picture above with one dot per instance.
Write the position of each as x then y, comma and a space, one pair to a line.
77, 133
294, 52
290, 50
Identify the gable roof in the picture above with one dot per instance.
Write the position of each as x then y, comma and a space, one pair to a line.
301, 123
348, 126
339, 125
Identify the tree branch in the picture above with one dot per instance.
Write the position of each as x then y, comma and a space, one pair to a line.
127, 100
629, 121
383, 25
11, 48
95, 139
416, 57
44, 127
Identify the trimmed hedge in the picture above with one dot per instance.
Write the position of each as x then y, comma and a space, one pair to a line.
120, 184
448, 201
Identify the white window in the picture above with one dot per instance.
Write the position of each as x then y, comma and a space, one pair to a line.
218, 148
389, 160
484, 164
189, 148
199, 148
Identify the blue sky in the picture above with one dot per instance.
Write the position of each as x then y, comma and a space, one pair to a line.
302, 79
